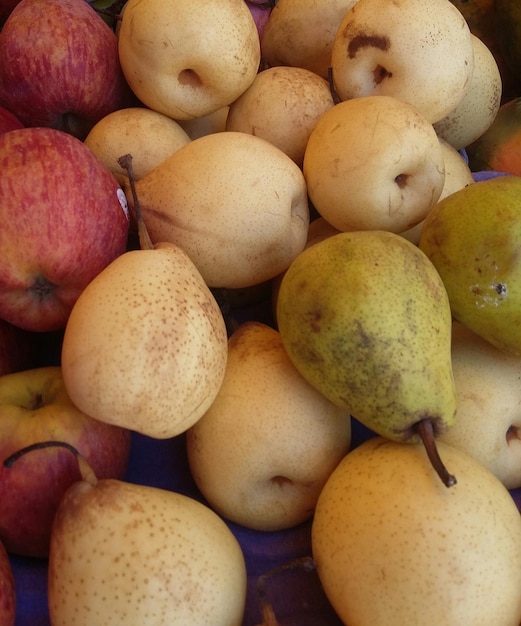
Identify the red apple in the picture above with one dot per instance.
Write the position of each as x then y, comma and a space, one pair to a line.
59, 65
8, 121
7, 590
64, 218
35, 407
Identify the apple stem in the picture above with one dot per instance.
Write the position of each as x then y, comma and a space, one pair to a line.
86, 471
268, 614
425, 430
145, 243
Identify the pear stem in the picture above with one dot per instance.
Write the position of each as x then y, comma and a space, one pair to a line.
425, 430
332, 89
145, 243
87, 474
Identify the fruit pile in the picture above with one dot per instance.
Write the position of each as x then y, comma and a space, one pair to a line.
260, 312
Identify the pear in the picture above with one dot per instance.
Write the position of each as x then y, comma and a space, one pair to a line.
365, 318
393, 547
472, 237
488, 393
149, 136
508, 20
133, 555
239, 229
146, 345
264, 449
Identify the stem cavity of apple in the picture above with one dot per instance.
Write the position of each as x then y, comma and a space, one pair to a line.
87, 473
424, 428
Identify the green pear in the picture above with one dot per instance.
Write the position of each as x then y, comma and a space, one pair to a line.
393, 546
472, 237
365, 318
132, 555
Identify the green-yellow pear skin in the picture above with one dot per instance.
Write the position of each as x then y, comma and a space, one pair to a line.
146, 344
124, 554
472, 238
365, 318
393, 547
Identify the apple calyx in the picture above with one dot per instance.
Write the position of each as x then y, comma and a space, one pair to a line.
145, 243
42, 288
269, 618
425, 430
87, 473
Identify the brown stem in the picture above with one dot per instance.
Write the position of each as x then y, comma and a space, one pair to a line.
425, 430
86, 471
145, 243
332, 89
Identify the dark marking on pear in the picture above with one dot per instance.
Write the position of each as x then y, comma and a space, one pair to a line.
358, 42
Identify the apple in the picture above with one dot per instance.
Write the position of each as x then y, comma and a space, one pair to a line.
59, 65
8, 121
188, 58
488, 422
7, 590
373, 162
35, 407
417, 50
64, 218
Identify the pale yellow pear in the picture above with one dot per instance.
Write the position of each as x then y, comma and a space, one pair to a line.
373, 163
488, 393
394, 547
457, 176
479, 106
124, 554
300, 33
150, 137
264, 449
145, 346
417, 50
234, 202
282, 105
188, 58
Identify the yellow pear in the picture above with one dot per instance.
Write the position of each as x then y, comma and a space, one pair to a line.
479, 106
150, 137
282, 105
300, 33
207, 124
124, 554
264, 449
188, 58
488, 395
234, 202
384, 48
393, 546
373, 163
145, 346
457, 176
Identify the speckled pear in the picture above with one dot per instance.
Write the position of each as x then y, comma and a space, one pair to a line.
394, 547
124, 554
146, 344
472, 237
365, 318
